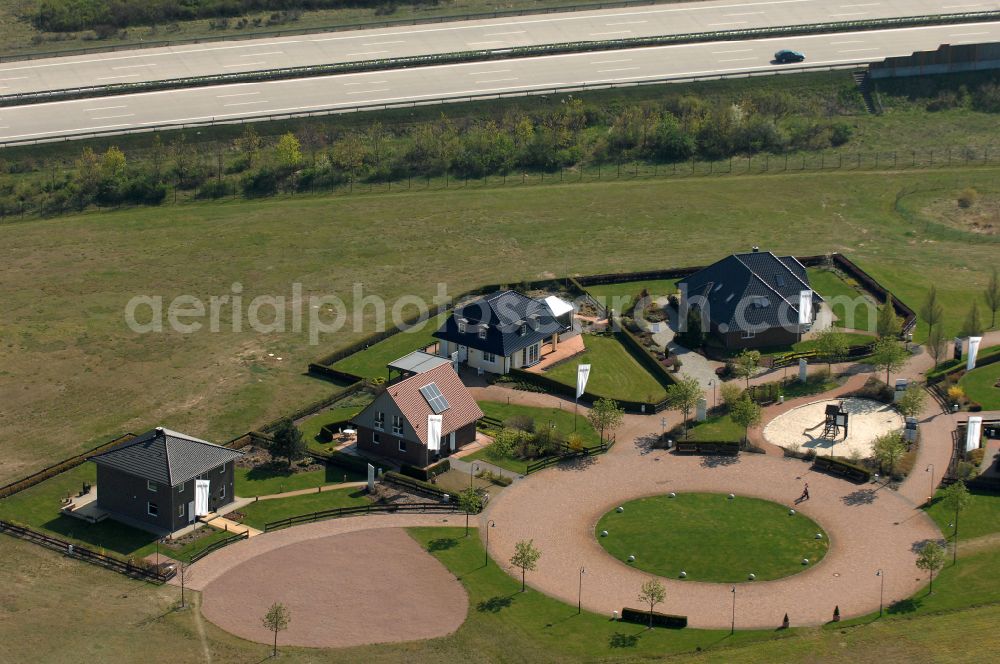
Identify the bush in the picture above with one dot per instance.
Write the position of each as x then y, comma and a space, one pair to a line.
976, 456
347, 461
842, 467
987, 98
213, 189
967, 197
260, 183
520, 422
425, 474
874, 389
641, 617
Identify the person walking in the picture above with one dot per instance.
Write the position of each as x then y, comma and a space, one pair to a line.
805, 492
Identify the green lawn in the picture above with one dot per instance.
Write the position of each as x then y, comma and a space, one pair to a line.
951, 365
258, 513
544, 417
716, 428
620, 296
815, 384
847, 301
614, 372
265, 481
310, 427
980, 385
981, 517
371, 362
711, 538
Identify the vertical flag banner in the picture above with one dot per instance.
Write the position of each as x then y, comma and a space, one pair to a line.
582, 374
201, 491
371, 477
970, 363
805, 307
433, 433
973, 433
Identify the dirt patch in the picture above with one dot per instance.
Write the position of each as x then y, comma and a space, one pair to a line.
982, 216
258, 457
358, 588
802, 428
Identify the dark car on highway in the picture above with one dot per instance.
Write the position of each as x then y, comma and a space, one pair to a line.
785, 55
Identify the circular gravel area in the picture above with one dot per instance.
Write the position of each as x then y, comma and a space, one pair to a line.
351, 589
803, 426
711, 537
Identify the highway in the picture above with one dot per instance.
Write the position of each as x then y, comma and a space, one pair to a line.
212, 58
231, 102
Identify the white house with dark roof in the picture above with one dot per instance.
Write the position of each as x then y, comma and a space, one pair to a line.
163, 480
752, 300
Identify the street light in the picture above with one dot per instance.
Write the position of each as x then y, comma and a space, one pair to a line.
732, 629
715, 402
881, 590
472, 469
579, 596
489, 524
930, 496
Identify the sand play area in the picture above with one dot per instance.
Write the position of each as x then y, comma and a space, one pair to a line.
867, 420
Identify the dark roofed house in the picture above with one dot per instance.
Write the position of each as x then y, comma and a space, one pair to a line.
394, 425
752, 300
151, 481
499, 332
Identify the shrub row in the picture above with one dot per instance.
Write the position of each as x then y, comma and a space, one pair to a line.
344, 460
327, 431
641, 617
61, 467
392, 477
839, 466
727, 447
425, 474
644, 356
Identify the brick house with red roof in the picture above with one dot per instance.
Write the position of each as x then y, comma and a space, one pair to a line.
394, 425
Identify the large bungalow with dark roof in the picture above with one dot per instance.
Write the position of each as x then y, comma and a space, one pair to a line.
752, 300
395, 424
502, 331
163, 480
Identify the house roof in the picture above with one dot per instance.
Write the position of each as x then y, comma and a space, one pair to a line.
461, 410
503, 316
165, 456
418, 362
764, 286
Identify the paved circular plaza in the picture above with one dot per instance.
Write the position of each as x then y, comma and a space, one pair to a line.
869, 528
804, 427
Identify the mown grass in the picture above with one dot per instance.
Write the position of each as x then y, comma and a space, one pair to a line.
697, 533
258, 513
614, 372
620, 296
832, 287
372, 361
263, 481
715, 428
951, 365
981, 517
310, 427
980, 385
69, 385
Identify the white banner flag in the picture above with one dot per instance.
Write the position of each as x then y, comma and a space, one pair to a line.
970, 363
582, 374
434, 433
973, 433
805, 307
201, 491
371, 478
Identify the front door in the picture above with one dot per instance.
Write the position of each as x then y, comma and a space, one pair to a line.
532, 355
463, 353
451, 441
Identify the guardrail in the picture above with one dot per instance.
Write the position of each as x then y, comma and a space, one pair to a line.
488, 54
343, 27
354, 511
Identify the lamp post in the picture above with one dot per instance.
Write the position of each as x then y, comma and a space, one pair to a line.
881, 589
732, 629
579, 596
930, 496
472, 469
489, 524
715, 402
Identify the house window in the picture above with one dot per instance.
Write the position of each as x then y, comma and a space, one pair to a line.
222, 491
748, 335
376, 439
180, 510
482, 333
489, 357
461, 327
151, 486
380, 420
397, 425
152, 509
402, 446
524, 329
180, 487
222, 469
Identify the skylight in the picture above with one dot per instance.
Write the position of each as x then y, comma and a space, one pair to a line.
434, 398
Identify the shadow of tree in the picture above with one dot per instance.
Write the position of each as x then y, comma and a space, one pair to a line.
270, 470
859, 497
576, 465
719, 461
919, 544
903, 606
619, 640
442, 544
494, 604
647, 444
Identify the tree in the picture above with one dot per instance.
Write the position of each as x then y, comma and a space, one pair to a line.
831, 345
652, 593
931, 310
113, 164
730, 393
287, 442
605, 414
890, 355
973, 325
525, 558
746, 413
249, 145
503, 444
684, 395
289, 152
746, 364
955, 498
276, 620
888, 323
931, 559
471, 502
889, 449
937, 343
185, 573
992, 295
912, 401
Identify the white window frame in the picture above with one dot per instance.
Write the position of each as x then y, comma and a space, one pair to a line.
461, 326
748, 335
180, 511
379, 420
376, 439
222, 491
482, 332
152, 486
402, 445
152, 509
180, 487
397, 425
489, 357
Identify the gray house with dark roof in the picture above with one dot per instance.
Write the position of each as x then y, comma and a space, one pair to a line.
752, 300
150, 481
499, 332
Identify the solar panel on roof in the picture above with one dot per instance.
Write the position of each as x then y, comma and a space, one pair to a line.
435, 399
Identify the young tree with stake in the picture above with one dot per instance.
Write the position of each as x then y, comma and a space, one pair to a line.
955, 498
931, 310
471, 502
973, 325
890, 355
888, 324
832, 346
931, 559
275, 620
287, 442
746, 364
746, 413
992, 295
652, 593
937, 342
888, 450
525, 558
605, 414
683, 395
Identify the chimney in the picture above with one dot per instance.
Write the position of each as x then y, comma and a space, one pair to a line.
755, 249
159, 429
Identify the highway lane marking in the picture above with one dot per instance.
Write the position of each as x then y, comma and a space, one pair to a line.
737, 59
479, 43
961, 6
111, 117
108, 78
364, 92
857, 50
497, 80
147, 64
257, 55
351, 55
383, 43
850, 14
738, 50
608, 71
613, 32
742, 14
16, 78
849, 41
492, 71
246, 64
500, 34
610, 62
967, 34
104, 108
237, 94
365, 83
247, 103
626, 23
728, 23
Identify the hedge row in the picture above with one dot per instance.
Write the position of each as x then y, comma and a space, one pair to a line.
425, 474
728, 447
327, 431
561, 389
839, 466
951, 367
315, 406
641, 617
61, 467
645, 356
344, 460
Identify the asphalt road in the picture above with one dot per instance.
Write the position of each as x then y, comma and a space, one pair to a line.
230, 102
302, 50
